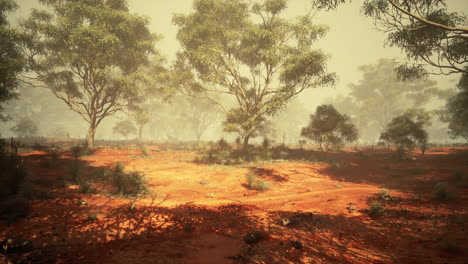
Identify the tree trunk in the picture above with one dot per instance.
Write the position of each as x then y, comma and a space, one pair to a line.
140, 133
91, 132
246, 141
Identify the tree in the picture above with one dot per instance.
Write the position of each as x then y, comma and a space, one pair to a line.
424, 30
11, 59
82, 50
406, 131
455, 112
152, 82
25, 127
379, 97
124, 128
201, 114
327, 127
247, 51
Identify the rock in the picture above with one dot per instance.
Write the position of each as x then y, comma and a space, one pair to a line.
285, 221
16, 245
254, 237
296, 244
351, 207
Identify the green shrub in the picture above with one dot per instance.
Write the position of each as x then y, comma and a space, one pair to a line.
376, 208
86, 188
443, 193
144, 151
92, 216
251, 178
128, 184
255, 184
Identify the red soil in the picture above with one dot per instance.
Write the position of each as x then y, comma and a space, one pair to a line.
200, 213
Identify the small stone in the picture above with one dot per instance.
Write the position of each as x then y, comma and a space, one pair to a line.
296, 244
254, 237
351, 207
285, 221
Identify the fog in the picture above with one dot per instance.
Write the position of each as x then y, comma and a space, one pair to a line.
351, 42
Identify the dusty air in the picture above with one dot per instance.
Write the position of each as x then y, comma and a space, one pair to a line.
233, 131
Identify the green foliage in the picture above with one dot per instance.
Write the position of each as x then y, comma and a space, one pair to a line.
128, 184
251, 178
82, 50
376, 208
426, 31
443, 193
144, 151
253, 183
455, 112
406, 131
328, 128
12, 61
247, 50
75, 170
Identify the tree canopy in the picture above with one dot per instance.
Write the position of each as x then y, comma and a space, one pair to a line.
248, 51
11, 59
406, 131
328, 128
455, 112
425, 31
82, 49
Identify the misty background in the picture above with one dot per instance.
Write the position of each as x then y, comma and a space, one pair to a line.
354, 46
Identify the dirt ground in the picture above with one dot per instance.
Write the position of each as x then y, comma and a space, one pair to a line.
201, 213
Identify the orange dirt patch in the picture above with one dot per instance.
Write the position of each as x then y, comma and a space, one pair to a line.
200, 213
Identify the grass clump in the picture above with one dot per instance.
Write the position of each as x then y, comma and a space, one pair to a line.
128, 184
92, 216
376, 208
443, 193
144, 151
255, 184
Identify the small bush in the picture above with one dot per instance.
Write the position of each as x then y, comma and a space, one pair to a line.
86, 188
443, 193
128, 183
251, 178
144, 151
376, 208
255, 184
92, 216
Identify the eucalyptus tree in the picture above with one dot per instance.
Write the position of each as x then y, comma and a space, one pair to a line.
11, 59
455, 112
425, 31
83, 50
151, 85
248, 51
328, 128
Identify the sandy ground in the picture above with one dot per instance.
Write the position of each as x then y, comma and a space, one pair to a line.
200, 213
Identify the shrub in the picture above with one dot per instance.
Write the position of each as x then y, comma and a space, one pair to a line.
255, 184
443, 193
251, 178
376, 208
457, 176
92, 216
128, 183
144, 151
